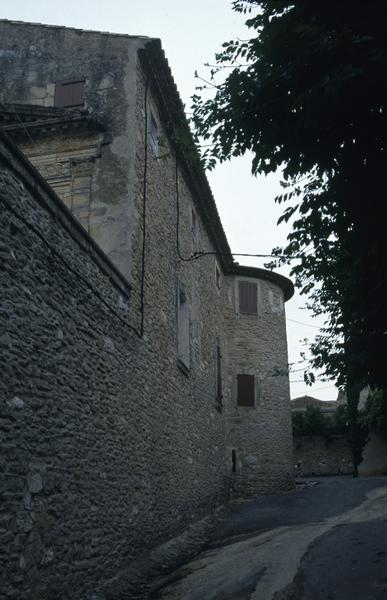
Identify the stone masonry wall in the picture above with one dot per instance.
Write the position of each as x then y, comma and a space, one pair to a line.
316, 455
261, 436
108, 448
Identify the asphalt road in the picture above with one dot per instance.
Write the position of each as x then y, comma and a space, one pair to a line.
325, 541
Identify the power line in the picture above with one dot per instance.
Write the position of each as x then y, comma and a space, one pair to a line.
301, 323
302, 380
327, 387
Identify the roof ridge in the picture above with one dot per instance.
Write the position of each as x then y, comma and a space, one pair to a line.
72, 28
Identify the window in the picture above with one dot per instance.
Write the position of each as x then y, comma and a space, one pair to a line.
248, 298
193, 224
154, 140
69, 93
217, 277
183, 327
218, 376
246, 390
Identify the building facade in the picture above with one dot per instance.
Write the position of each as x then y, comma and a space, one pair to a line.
140, 361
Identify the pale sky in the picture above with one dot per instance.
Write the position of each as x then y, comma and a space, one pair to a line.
191, 33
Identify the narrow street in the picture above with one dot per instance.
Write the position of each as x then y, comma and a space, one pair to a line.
325, 541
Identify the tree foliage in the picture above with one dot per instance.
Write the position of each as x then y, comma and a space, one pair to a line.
307, 94
312, 421
374, 414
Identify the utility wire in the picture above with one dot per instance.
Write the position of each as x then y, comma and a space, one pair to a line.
327, 387
301, 323
202, 253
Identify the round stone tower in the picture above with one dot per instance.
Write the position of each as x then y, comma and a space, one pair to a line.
258, 400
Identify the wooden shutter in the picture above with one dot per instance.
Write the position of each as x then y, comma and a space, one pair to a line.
193, 224
248, 298
154, 136
219, 394
69, 93
183, 326
246, 390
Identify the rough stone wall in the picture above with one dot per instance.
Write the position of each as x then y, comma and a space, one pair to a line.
374, 455
316, 455
33, 57
108, 448
261, 435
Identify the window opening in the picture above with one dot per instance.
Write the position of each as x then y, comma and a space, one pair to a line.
193, 224
217, 277
248, 297
69, 94
218, 375
183, 326
154, 138
246, 390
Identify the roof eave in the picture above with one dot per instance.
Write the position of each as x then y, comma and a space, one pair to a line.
156, 65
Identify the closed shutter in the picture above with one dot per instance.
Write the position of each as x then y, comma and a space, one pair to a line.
248, 298
154, 136
183, 326
69, 93
246, 390
219, 394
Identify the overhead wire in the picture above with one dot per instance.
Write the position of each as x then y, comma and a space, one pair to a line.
202, 253
327, 387
305, 324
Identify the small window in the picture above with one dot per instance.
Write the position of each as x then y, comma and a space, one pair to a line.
217, 277
183, 327
218, 375
69, 94
154, 136
193, 225
246, 390
248, 297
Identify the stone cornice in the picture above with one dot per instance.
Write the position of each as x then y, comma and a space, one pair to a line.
19, 119
283, 282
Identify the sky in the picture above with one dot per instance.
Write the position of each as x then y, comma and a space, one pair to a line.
191, 34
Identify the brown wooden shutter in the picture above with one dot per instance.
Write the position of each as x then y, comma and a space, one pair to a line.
246, 390
69, 93
248, 298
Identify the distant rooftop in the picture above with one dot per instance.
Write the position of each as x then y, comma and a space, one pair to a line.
302, 402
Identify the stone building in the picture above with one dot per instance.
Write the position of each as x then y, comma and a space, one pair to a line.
138, 359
